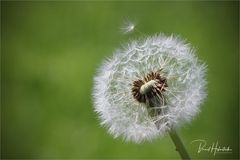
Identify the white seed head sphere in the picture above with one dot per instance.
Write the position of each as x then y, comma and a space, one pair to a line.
148, 87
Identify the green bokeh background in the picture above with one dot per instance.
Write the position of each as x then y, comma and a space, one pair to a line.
50, 52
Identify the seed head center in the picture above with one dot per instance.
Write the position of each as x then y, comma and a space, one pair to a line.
152, 84
147, 87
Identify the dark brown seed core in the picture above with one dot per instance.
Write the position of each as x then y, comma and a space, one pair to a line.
155, 90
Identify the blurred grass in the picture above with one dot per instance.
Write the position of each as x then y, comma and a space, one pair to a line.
50, 53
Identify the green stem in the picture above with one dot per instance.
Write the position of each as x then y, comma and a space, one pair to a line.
179, 144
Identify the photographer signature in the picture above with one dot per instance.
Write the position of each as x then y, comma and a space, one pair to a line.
213, 148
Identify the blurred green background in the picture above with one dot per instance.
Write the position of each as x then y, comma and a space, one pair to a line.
50, 53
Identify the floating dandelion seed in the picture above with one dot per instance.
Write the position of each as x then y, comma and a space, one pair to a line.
149, 87
128, 27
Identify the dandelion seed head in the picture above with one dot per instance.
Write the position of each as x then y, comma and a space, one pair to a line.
148, 86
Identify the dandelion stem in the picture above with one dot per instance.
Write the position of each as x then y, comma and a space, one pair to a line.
179, 144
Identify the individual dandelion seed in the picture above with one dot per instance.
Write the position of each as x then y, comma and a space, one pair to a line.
128, 27
149, 87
